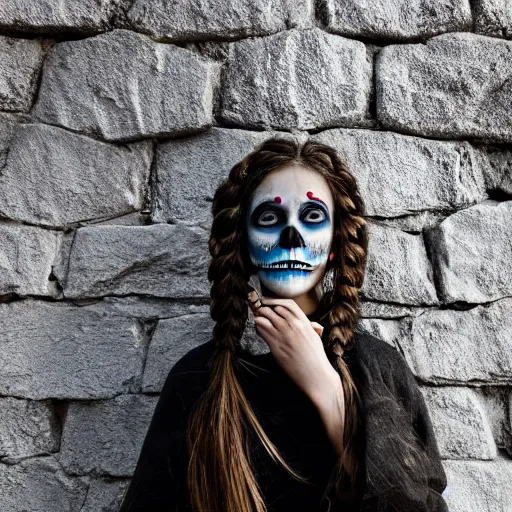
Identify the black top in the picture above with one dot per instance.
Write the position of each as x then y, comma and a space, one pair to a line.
394, 410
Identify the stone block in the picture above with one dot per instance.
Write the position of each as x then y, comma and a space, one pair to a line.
470, 347
172, 339
55, 178
20, 64
161, 260
474, 486
303, 79
27, 255
124, 86
55, 350
397, 268
105, 437
472, 253
40, 485
493, 18
27, 428
105, 495
455, 85
51, 17
395, 19
460, 423
189, 170
419, 174
182, 20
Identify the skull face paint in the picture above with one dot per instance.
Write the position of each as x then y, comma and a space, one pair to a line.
290, 230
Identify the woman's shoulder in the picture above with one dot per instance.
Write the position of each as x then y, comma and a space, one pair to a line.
372, 354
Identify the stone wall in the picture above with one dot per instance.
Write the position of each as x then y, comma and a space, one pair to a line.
118, 120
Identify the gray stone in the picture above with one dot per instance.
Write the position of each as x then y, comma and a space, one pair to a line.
171, 340
27, 255
381, 310
495, 400
474, 486
105, 437
302, 79
54, 350
493, 18
105, 495
161, 260
50, 16
20, 62
419, 174
55, 178
397, 268
461, 427
496, 167
181, 20
39, 485
388, 330
121, 86
396, 19
151, 308
27, 428
189, 170
472, 253
453, 86
468, 347
416, 223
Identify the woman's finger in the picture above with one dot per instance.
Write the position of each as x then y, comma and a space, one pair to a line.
277, 321
287, 303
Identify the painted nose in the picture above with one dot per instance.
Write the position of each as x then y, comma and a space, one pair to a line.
290, 237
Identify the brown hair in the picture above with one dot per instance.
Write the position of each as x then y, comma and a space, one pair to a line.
220, 477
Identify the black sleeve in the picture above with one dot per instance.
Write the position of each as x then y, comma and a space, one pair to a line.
412, 399
159, 478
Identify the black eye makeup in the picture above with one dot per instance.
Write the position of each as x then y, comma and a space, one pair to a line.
268, 214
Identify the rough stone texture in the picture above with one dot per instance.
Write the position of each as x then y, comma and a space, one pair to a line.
296, 79
160, 260
122, 86
62, 351
479, 486
188, 171
496, 164
472, 253
460, 423
27, 254
419, 174
182, 20
105, 496
397, 268
455, 85
172, 339
20, 62
468, 347
50, 16
54, 178
105, 437
27, 428
395, 19
493, 18
39, 485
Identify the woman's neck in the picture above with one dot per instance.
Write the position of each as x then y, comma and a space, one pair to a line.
308, 301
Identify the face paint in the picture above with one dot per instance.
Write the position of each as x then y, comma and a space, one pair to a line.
289, 230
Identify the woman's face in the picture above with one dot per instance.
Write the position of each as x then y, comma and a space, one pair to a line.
290, 229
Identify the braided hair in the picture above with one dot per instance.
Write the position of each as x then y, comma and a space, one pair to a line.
220, 477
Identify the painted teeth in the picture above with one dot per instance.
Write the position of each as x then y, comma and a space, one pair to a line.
292, 265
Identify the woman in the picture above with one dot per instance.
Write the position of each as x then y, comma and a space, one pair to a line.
323, 418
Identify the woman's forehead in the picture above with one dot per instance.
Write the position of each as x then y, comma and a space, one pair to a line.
293, 184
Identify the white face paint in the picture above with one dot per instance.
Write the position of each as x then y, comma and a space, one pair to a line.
290, 229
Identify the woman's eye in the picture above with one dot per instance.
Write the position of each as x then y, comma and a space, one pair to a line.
314, 215
267, 219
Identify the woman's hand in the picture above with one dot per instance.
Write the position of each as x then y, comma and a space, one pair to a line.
297, 346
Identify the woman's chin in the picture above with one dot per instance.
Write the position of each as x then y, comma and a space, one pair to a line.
288, 283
